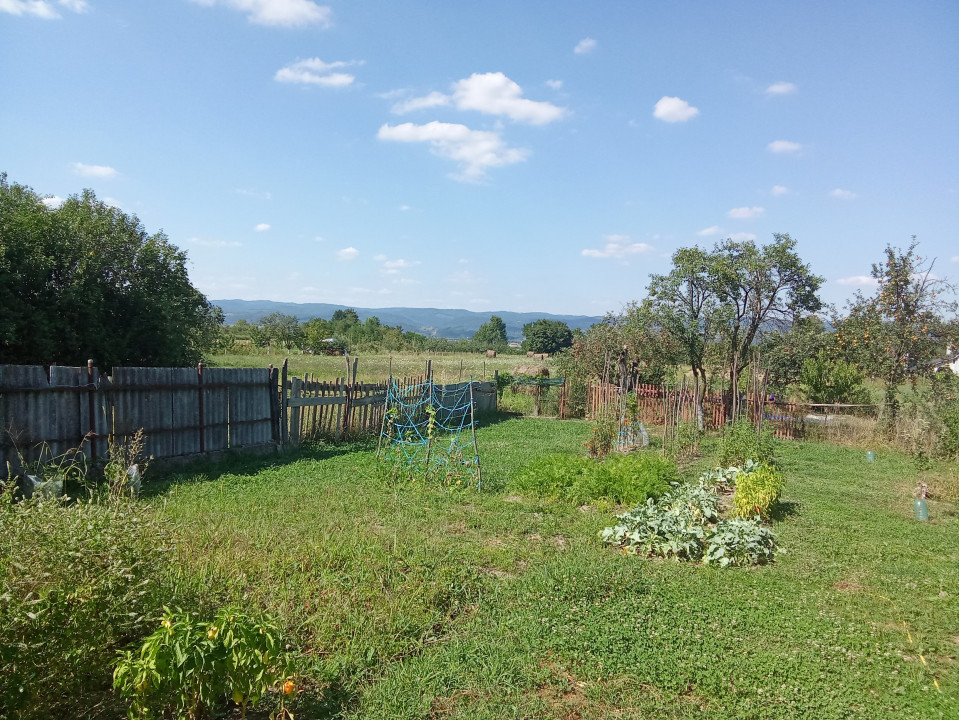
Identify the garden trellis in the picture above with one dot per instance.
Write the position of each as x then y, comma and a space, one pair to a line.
429, 431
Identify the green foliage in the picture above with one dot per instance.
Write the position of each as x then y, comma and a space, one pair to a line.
674, 526
895, 334
757, 492
739, 542
191, 667
277, 328
77, 584
783, 353
723, 479
620, 478
603, 435
546, 336
492, 334
741, 443
85, 280
823, 380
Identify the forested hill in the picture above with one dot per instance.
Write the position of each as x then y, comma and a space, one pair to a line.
432, 322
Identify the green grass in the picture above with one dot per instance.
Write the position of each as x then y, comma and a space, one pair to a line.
406, 601
447, 367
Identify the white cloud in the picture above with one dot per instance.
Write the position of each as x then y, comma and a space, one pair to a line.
261, 227
743, 237
858, 281
954, 258
54, 201
742, 213
254, 194
349, 253
405, 208
841, 194
673, 109
284, 13
100, 171
586, 45
43, 9
711, 230
555, 84
784, 146
778, 190
111, 201
314, 71
434, 99
782, 88
619, 247
489, 93
473, 150
395, 267
214, 243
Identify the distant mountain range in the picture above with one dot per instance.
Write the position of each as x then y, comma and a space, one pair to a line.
432, 322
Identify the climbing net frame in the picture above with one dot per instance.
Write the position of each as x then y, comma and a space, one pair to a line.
429, 433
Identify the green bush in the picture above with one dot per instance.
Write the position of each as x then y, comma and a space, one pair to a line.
757, 492
823, 380
622, 479
739, 542
741, 443
192, 667
78, 583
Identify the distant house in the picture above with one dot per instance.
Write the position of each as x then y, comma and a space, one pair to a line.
515, 344
949, 360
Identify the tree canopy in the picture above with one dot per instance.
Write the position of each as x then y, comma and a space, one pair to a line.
492, 333
546, 336
85, 280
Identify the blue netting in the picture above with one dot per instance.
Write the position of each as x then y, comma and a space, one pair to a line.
428, 431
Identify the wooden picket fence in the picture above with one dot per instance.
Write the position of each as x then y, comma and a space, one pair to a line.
786, 420
184, 412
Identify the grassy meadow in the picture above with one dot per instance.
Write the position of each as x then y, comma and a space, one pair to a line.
411, 601
447, 367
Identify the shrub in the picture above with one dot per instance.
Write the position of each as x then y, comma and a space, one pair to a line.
757, 491
77, 583
622, 478
603, 436
193, 667
823, 380
742, 443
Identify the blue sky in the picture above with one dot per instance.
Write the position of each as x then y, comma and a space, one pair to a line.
530, 156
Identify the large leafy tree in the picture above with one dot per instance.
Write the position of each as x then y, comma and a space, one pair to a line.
897, 333
727, 297
491, 334
85, 280
546, 336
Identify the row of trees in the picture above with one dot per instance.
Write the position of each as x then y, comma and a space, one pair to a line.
718, 310
85, 280
345, 331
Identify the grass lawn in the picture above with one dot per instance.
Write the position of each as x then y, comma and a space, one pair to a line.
418, 602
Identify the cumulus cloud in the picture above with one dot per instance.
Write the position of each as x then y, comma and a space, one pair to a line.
489, 93
350, 253
555, 84
743, 237
742, 213
54, 201
858, 281
43, 9
673, 109
841, 194
396, 266
473, 150
778, 190
281, 13
98, 171
781, 88
784, 146
314, 71
618, 247
261, 227
711, 230
586, 45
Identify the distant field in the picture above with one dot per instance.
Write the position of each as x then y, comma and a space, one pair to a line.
447, 367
